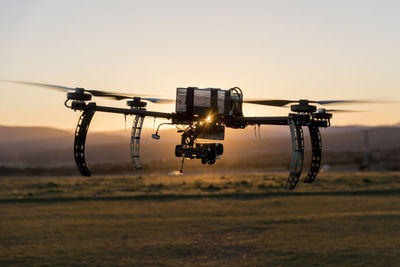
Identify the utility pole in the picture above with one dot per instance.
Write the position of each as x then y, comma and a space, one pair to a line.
365, 166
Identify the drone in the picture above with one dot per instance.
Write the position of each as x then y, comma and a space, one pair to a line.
204, 113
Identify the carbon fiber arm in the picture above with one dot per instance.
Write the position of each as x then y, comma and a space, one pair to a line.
259, 120
140, 112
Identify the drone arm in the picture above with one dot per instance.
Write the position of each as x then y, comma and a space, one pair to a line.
140, 112
301, 119
263, 120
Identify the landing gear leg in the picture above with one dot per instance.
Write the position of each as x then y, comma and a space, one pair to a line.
296, 166
80, 138
316, 149
135, 141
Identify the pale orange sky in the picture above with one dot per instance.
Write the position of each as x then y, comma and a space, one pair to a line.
271, 49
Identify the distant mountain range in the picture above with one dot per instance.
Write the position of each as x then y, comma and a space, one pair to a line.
41, 146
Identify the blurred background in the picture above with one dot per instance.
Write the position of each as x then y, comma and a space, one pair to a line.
308, 49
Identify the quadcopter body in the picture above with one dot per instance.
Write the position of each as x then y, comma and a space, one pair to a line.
204, 114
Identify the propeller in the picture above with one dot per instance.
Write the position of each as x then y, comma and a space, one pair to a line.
284, 102
272, 102
324, 110
339, 110
98, 93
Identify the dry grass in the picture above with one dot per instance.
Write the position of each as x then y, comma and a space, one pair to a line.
189, 185
206, 220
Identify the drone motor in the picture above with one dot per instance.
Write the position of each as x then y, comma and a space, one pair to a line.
136, 103
79, 95
303, 107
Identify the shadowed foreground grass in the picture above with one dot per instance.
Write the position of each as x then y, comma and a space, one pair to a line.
295, 229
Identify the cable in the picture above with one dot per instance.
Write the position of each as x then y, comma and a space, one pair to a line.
65, 103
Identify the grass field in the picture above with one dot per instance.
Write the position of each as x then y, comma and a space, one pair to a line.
206, 220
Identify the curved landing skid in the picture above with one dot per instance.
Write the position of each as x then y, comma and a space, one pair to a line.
80, 138
135, 141
316, 151
297, 160
296, 165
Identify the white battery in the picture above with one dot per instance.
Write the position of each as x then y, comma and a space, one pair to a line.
202, 98
221, 101
181, 99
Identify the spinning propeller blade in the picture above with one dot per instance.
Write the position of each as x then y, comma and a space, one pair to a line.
271, 102
98, 93
330, 102
158, 100
45, 85
284, 102
343, 111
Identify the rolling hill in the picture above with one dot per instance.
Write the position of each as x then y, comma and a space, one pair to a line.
49, 147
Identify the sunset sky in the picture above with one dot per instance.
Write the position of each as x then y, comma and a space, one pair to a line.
271, 49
